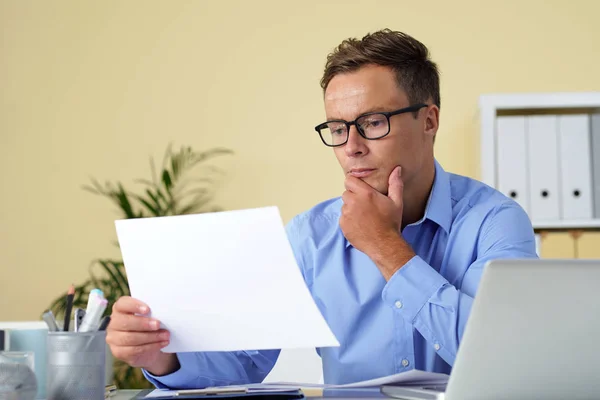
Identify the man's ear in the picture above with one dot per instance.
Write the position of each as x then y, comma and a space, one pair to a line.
432, 119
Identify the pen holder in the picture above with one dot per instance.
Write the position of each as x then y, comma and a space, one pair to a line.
76, 365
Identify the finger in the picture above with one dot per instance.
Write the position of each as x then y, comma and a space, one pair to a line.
396, 186
356, 185
136, 338
130, 353
135, 323
347, 196
129, 305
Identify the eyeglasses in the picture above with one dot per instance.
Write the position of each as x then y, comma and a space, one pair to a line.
372, 126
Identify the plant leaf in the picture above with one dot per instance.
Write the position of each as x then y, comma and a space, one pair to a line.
166, 179
124, 202
168, 154
153, 171
153, 210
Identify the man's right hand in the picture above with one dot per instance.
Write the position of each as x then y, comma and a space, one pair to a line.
137, 339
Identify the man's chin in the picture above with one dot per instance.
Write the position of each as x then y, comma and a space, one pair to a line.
376, 184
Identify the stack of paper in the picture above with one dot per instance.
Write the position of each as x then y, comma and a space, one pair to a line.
409, 378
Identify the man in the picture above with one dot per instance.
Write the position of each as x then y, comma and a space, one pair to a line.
394, 263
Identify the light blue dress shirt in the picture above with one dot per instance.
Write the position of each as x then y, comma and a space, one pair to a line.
413, 321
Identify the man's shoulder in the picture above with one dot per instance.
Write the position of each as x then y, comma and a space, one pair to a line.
477, 204
472, 194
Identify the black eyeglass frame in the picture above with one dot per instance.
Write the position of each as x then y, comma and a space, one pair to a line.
388, 114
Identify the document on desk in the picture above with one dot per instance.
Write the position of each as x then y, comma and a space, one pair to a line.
222, 281
407, 378
410, 378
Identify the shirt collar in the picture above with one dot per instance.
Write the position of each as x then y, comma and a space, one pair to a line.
439, 204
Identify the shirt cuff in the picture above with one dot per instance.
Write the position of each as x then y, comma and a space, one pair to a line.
178, 378
409, 289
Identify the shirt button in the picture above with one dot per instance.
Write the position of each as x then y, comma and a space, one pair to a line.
398, 304
436, 346
405, 363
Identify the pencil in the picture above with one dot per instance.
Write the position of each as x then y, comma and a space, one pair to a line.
70, 295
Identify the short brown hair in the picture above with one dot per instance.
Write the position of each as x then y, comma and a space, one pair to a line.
409, 58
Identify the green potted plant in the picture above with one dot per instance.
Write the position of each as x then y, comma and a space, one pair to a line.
183, 185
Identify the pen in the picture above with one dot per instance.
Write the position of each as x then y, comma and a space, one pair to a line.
104, 323
79, 314
48, 317
70, 295
92, 317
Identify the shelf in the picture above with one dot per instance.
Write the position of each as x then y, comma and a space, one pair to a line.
567, 224
511, 101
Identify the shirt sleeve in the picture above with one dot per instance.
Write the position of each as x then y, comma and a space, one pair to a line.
439, 310
201, 370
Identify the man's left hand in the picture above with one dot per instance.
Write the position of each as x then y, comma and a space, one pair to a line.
371, 222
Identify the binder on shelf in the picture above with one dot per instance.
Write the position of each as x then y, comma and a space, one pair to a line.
512, 158
595, 138
576, 167
542, 148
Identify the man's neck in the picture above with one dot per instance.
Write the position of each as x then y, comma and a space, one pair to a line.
416, 195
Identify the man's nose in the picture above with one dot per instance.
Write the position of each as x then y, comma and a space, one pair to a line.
356, 144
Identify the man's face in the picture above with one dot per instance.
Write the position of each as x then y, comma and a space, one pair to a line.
409, 143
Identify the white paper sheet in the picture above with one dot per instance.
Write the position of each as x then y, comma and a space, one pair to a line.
411, 377
222, 281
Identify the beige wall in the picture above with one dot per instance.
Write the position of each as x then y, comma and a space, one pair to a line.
93, 88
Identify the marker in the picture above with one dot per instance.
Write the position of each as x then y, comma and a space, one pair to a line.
48, 317
93, 293
70, 295
92, 317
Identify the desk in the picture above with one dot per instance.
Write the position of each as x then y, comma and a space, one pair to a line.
338, 394
125, 394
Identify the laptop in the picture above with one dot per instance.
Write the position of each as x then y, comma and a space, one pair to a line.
533, 333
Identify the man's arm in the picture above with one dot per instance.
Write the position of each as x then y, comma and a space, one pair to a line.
437, 309
200, 370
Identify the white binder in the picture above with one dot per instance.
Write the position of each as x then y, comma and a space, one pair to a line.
595, 132
512, 158
538, 244
575, 160
542, 145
